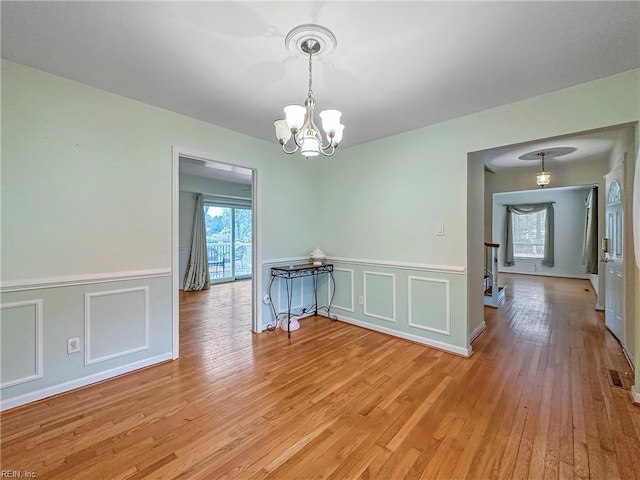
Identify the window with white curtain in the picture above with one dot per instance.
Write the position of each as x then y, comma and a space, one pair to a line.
528, 235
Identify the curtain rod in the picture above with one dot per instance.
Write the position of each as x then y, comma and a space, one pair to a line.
513, 204
218, 195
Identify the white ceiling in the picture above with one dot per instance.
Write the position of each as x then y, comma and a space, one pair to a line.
398, 65
215, 170
586, 147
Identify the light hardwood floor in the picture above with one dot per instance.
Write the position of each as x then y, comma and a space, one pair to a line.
337, 401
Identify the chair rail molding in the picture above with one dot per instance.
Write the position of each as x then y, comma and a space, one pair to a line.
456, 269
80, 279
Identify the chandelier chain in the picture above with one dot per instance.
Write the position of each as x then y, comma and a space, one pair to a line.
310, 77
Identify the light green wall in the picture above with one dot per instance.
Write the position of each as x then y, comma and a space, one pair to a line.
388, 196
86, 191
637, 270
475, 245
94, 169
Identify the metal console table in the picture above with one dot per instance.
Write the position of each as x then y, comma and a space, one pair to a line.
288, 273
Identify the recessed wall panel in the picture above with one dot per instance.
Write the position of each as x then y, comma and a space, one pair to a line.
116, 323
429, 304
21, 342
343, 298
380, 295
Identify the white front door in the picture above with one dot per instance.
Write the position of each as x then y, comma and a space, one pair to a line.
614, 303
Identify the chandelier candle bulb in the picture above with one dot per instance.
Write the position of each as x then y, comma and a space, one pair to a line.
283, 132
330, 120
295, 116
337, 137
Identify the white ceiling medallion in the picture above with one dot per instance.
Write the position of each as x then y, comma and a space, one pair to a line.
553, 152
299, 125
325, 40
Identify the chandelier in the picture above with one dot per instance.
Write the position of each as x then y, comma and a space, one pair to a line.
298, 124
543, 178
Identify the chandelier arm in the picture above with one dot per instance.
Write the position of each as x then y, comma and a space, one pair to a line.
324, 151
284, 149
328, 145
295, 137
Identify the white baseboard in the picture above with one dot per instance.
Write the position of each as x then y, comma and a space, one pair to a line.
630, 358
635, 394
13, 402
447, 347
477, 331
600, 308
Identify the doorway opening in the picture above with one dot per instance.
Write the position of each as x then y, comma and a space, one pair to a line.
229, 195
501, 178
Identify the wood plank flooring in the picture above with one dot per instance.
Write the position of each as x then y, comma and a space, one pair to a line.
337, 401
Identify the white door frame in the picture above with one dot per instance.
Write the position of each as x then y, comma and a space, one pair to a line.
256, 251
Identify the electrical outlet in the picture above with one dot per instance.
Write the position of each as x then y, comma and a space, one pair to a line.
360, 300
73, 345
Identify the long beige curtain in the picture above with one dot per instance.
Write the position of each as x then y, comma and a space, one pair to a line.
197, 274
590, 246
548, 258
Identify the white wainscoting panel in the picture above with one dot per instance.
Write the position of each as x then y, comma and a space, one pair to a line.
116, 323
378, 284
349, 282
429, 302
21, 342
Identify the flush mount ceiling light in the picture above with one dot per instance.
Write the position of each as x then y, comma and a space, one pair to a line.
543, 178
312, 40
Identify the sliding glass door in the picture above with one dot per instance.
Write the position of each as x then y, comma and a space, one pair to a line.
228, 242
242, 242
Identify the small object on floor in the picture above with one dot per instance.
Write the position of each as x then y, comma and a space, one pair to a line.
294, 325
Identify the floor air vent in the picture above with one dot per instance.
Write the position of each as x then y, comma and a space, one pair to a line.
615, 378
